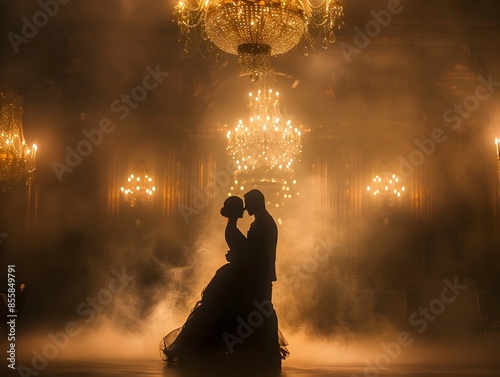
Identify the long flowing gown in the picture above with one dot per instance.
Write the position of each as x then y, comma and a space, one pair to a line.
228, 327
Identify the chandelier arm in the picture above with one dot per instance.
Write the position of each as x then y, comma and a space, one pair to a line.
323, 4
192, 25
306, 7
200, 7
319, 26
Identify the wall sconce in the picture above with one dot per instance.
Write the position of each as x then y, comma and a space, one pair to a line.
139, 188
497, 143
386, 190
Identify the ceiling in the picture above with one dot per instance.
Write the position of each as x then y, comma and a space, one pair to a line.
91, 51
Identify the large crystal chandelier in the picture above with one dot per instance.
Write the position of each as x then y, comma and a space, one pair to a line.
265, 149
17, 160
139, 188
255, 30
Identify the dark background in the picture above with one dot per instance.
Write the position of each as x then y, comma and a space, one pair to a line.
67, 237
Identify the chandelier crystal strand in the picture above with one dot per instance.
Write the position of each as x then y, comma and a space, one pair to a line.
265, 149
256, 30
17, 160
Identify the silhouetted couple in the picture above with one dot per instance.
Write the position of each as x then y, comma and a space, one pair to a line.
234, 325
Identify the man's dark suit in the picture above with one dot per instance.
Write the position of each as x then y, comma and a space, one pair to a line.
262, 239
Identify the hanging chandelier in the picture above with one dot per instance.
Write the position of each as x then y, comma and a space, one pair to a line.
17, 160
138, 189
256, 30
265, 149
386, 189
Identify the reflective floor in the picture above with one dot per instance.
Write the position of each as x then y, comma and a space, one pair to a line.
158, 369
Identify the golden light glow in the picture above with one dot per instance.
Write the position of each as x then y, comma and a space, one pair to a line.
17, 160
497, 143
139, 189
265, 149
256, 30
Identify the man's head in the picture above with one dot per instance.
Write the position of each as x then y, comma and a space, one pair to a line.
254, 202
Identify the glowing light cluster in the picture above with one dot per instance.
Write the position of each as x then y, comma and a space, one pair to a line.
256, 30
17, 160
387, 189
265, 149
139, 189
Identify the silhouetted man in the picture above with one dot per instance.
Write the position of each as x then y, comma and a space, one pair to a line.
262, 239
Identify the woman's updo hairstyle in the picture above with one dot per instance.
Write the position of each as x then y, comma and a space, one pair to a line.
232, 207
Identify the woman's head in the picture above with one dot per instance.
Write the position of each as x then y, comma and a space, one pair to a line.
233, 207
